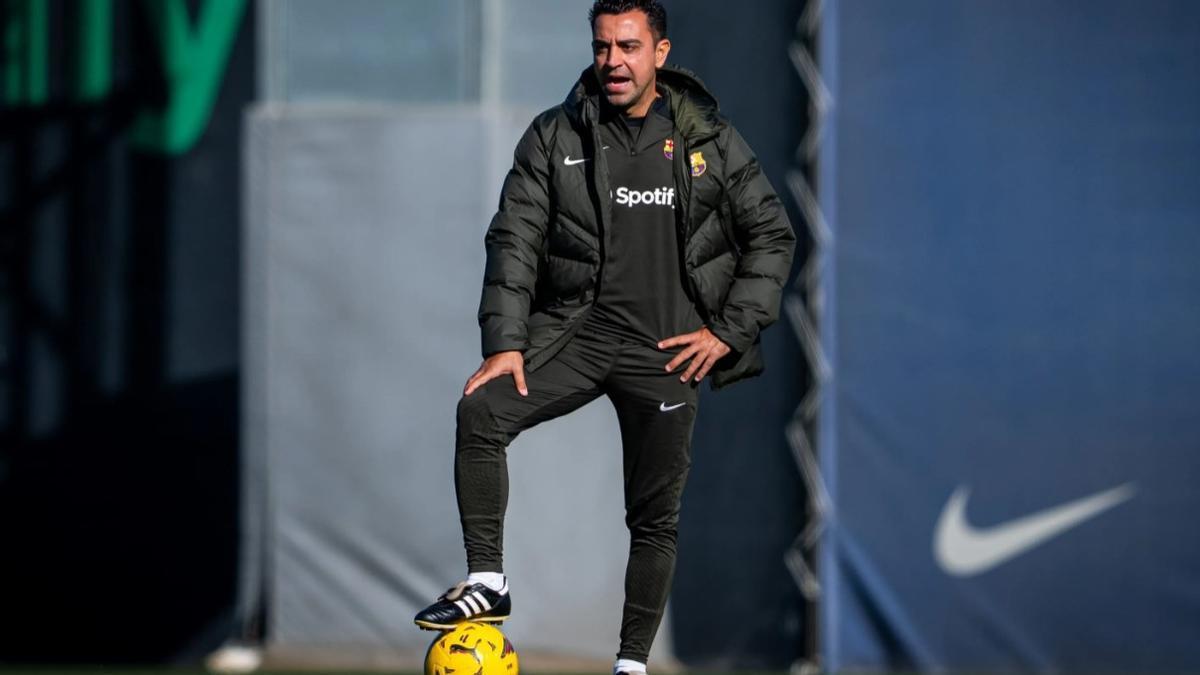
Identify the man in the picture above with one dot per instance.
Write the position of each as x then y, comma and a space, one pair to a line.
638, 248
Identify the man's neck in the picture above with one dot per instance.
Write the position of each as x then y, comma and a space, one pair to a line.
642, 108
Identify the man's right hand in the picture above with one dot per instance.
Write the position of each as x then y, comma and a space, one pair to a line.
496, 365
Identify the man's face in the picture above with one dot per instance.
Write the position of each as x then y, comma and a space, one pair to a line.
626, 57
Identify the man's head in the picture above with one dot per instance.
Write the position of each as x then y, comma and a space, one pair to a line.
629, 43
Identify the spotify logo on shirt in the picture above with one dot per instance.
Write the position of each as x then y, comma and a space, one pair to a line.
659, 197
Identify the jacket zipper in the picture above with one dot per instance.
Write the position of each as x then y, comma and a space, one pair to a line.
599, 175
683, 188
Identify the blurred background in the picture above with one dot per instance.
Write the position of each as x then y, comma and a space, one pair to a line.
241, 254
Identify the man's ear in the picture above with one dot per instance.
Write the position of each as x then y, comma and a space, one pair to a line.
660, 52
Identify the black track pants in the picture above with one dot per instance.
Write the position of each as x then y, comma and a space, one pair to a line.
655, 411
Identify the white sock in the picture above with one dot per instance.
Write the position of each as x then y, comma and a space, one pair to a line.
493, 580
628, 666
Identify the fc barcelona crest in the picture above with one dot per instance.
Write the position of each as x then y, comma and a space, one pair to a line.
698, 165
669, 149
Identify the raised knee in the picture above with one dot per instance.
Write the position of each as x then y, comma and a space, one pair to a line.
473, 411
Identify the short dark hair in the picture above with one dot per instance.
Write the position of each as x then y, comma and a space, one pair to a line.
656, 14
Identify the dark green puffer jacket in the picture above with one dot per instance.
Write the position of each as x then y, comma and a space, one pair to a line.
545, 244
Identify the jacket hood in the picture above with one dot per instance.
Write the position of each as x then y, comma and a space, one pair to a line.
694, 108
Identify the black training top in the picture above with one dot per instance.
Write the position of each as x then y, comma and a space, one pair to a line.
641, 297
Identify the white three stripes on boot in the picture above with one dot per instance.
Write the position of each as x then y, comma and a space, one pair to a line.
472, 604
482, 601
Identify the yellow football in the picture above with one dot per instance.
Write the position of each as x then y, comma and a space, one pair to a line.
471, 649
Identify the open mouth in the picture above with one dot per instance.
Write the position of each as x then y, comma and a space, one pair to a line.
617, 83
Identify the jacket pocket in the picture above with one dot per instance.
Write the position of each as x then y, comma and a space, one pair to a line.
725, 219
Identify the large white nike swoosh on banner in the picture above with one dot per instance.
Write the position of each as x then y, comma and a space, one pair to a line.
963, 550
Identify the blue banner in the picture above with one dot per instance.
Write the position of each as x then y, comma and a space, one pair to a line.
1012, 436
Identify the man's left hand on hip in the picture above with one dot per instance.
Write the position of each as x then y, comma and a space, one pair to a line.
701, 346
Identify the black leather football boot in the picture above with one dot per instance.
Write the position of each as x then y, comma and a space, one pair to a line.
466, 602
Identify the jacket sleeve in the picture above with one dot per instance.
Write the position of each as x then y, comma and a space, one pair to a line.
766, 240
514, 243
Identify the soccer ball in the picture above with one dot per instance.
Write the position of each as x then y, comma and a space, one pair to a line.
471, 649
